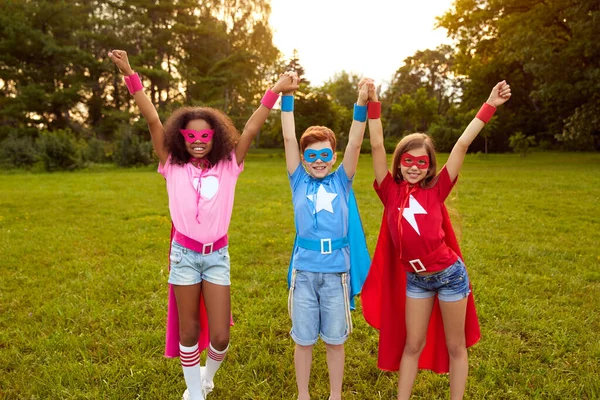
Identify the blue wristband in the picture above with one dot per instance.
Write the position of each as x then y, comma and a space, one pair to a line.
360, 113
287, 103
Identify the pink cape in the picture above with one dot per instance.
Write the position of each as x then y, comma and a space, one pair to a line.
172, 336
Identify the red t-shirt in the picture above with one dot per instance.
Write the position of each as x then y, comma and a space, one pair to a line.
421, 219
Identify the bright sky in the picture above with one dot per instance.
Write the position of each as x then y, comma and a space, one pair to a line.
368, 37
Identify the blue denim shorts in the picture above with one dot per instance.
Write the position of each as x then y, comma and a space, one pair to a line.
319, 305
189, 267
450, 284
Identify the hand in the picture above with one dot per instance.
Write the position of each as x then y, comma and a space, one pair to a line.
363, 91
287, 83
119, 57
372, 91
500, 94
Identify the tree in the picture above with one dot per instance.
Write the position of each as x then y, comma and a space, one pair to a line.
422, 91
548, 51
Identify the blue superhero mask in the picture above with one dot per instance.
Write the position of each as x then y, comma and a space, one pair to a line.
324, 155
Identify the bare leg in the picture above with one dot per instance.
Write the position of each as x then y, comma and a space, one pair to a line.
454, 314
418, 312
335, 364
188, 303
218, 310
303, 360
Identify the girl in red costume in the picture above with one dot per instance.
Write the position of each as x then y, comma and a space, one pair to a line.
418, 292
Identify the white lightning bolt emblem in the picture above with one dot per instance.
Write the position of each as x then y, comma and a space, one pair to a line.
409, 212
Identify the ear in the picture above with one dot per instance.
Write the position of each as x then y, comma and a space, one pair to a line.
334, 158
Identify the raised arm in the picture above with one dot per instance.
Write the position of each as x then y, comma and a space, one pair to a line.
376, 136
500, 94
157, 131
357, 129
288, 126
258, 118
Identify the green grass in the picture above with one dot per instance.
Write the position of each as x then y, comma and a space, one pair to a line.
83, 293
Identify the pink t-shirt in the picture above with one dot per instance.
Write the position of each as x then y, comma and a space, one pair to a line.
201, 201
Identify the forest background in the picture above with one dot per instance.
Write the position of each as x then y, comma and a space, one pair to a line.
63, 104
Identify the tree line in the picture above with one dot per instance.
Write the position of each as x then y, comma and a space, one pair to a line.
60, 93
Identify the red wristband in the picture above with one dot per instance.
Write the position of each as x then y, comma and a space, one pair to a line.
269, 99
133, 82
486, 112
374, 110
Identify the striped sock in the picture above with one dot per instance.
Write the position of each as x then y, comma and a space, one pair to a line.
190, 362
213, 362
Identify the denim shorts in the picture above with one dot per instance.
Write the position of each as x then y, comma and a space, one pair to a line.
450, 284
189, 267
319, 305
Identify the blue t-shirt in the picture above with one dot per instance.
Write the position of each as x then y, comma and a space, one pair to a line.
321, 211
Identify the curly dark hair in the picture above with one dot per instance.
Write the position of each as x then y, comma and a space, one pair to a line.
224, 139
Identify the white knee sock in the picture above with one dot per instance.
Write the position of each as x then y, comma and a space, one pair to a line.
190, 362
213, 362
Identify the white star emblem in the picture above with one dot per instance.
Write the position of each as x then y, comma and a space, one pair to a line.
323, 200
409, 212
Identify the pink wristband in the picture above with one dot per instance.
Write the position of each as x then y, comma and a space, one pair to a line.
133, 82
374, 110
486, 112
269, 99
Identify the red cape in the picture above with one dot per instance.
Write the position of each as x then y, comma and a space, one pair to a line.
383, 303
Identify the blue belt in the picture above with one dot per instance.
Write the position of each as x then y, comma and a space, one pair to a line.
324, 246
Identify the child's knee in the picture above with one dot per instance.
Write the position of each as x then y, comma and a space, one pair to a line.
220, 340
414, 347
189, 332
336, 348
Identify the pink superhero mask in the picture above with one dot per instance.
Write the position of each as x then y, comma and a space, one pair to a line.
191, 135
408, 160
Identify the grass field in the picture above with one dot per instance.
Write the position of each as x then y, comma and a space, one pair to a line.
83, 293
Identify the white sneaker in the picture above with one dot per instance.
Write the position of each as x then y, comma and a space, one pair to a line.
207, 386
186, 395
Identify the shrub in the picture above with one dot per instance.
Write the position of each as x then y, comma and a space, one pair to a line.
131, 150
18, 152
58, 150
520, 143
96, 151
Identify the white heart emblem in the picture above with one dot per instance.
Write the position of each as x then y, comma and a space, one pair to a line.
209, 187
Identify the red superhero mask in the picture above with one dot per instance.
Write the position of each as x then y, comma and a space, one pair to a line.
191, 135
408, 160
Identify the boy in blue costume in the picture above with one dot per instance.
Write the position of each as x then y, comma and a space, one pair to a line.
321, 290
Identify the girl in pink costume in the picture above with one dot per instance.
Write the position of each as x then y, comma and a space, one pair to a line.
200, 155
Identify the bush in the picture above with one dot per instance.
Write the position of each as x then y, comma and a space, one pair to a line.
18, 152
131, 150
58, 150
520, 143
96, 151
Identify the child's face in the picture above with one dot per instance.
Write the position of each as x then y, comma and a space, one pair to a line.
314, 164
414, 165
198, 149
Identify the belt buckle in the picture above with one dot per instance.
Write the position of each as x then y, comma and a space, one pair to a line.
418, 262
328, 241
205, 246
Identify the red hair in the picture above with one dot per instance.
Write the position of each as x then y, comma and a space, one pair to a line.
316, 134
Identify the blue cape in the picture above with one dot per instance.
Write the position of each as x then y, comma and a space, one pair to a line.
360, 260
